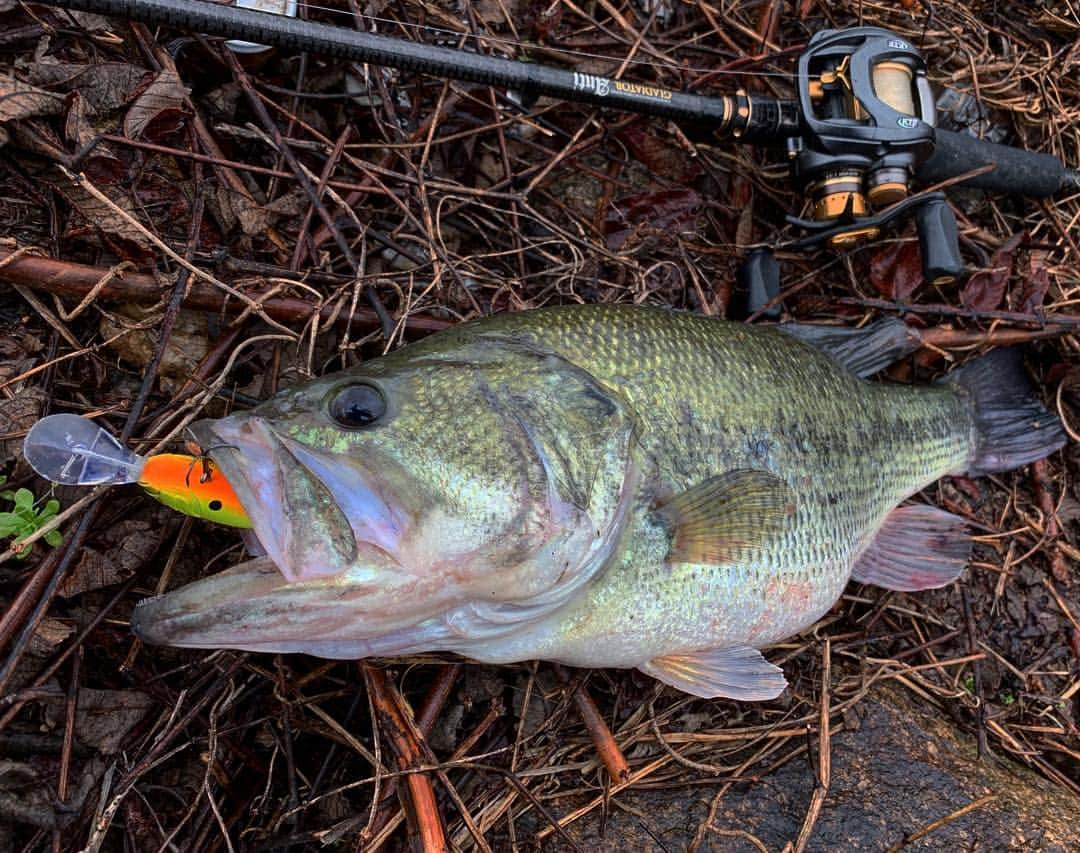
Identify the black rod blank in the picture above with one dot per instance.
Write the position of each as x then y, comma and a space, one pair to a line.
722, 114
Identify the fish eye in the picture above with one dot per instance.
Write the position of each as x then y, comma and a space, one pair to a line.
357, 406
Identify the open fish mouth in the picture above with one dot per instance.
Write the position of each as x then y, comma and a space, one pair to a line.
294, 515
323, 556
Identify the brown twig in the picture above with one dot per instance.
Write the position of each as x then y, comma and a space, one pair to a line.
997, 337
437, 696
602, 739
423, 811
974, 805
1041, 320
65, 278
824, 767
70, 710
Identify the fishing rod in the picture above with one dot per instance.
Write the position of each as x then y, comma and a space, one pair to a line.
858, 138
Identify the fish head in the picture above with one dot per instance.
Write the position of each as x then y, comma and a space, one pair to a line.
388, 496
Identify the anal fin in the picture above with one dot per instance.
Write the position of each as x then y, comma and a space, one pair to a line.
739, 673
918, 547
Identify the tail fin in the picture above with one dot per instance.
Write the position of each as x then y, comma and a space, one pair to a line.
1012, 428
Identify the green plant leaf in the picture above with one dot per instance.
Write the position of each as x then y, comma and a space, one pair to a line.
10, 524
24, 499
54, 537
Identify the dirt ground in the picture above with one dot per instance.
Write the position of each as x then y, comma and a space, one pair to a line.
162, 260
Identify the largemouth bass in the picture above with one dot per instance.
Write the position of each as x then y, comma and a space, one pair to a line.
600, 486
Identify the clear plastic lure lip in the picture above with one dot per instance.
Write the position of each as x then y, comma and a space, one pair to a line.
74, 451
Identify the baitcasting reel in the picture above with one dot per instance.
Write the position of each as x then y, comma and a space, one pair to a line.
867, 122
866, 125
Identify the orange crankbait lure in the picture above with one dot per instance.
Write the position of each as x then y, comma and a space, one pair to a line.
75, 451
194, 486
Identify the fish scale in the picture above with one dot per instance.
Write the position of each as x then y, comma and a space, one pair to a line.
602, 486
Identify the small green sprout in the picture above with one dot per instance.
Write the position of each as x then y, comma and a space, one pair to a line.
26, 519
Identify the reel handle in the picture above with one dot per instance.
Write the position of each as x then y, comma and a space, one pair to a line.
939, 241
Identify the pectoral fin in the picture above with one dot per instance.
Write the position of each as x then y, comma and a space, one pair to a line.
918, 547
727, 518
740, 673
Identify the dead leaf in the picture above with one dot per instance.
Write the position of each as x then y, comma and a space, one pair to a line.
27, 796
28, 791
49, 634
1036, 281
103, 718
985, 289
497, 11
120, 551
742, 200
665, 211
106, 86
21, 100
17, 414
92, 22
896, 270
188, 343
77, 125
36, 138
255, 219
97, 213
162, 103
662, 156
292, 203
102, 165
543, 18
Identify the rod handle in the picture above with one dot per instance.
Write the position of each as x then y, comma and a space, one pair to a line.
1017, 171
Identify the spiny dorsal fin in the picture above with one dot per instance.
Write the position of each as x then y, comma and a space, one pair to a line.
739, 673
918, 547
727, 518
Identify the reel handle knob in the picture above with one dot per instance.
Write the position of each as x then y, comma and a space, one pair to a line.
759, 283
939, 242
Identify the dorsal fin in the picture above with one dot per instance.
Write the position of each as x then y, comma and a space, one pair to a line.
863, 351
